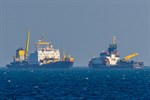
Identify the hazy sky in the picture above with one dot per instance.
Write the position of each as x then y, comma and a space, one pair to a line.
82, 27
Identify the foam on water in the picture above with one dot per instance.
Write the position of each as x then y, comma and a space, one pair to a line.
78, 83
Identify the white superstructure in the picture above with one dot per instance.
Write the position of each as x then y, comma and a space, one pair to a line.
108, 58
45, 53
112, 59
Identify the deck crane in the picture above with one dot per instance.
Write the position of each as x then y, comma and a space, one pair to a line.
126, 58
27, 45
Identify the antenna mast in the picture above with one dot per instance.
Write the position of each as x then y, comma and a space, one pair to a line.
114, 41
43, 37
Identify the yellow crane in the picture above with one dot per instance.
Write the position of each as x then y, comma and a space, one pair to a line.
27, 45
126, 58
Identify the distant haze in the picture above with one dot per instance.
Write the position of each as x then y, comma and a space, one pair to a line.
82, 27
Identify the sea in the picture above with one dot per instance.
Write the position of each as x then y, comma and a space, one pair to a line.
80, 83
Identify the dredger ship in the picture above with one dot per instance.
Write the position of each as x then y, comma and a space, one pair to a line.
111, 59
45, 56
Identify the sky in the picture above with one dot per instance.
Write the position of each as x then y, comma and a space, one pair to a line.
83, 28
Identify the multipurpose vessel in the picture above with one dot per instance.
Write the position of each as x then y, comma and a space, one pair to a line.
111, 59
45, 56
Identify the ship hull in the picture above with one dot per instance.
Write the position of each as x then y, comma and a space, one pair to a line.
61, 64
115, 66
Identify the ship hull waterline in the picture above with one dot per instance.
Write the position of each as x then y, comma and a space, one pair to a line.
99, 66
59, 65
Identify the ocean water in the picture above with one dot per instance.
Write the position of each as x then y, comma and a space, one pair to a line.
75, 84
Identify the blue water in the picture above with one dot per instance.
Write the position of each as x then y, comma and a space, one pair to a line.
75, 84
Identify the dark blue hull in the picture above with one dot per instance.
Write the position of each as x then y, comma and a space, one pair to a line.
116, 66
61, 64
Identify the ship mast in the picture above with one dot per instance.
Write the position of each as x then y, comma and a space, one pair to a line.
113, 45
114, 41
63, 55
43, 37
42, 42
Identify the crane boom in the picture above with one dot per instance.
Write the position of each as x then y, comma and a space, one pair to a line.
126, 58
27, 45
